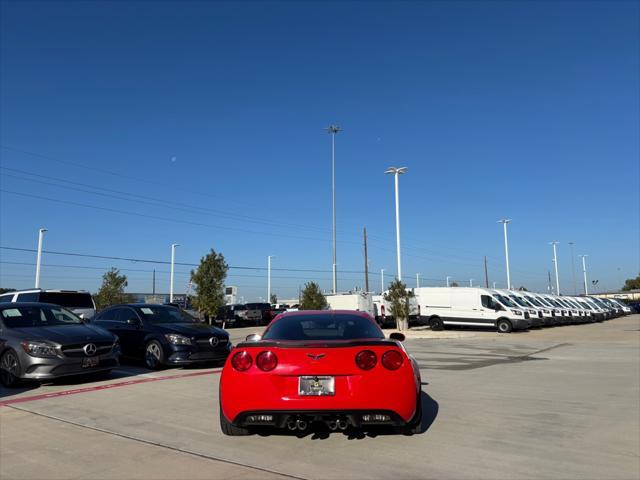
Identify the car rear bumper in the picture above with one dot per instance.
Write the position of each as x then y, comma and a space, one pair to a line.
354, 418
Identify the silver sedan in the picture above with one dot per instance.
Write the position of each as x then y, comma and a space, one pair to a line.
40, 341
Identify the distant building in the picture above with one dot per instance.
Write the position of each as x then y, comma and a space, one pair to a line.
628, 295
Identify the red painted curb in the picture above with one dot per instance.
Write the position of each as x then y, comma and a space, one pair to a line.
103, 387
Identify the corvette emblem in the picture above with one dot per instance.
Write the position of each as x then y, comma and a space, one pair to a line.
315, 357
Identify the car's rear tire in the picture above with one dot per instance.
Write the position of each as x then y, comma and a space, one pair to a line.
153, 355
504, 326
436, 323
230, 429
10, 369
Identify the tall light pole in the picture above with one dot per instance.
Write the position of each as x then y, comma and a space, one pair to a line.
397, 172
269, 278
471, 282
333, 129
504, 222
39, 258
448, 278
417, 280
381, 281
494, 285
555, 264
573, 270
584, 273
173, 259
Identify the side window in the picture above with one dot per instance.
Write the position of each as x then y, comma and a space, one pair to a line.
487, 302
6, 298
28, 297
125, 314
107, 315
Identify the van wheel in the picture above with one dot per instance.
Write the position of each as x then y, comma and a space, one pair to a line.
504, 326
436, 323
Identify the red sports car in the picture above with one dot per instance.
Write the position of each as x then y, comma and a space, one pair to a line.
325, 366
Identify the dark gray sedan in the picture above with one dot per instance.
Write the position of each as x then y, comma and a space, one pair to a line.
41, 341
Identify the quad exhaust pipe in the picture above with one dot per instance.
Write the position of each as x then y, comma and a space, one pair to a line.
297, 423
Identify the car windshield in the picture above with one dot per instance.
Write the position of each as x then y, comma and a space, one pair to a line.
518, 300
535, 302
38, 316
161, 314
586, 305
323, 327
67, 299
505, 301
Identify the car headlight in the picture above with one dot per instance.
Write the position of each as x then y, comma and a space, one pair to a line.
517, 312
40, 349
175, 339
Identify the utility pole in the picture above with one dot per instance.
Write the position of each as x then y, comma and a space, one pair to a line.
573, 270
153, 289
504, 222
396, 172
584, 273
486, 274
555, 263
39, 258
333, 129
381, 281
173, 259
366, 263
448, 278
269, 278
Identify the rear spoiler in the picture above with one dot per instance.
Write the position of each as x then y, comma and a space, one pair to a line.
319, 343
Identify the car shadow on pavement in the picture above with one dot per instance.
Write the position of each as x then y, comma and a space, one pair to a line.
319, 431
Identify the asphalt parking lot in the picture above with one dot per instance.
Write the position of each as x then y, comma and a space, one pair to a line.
559, 403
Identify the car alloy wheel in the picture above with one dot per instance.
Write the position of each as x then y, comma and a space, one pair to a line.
153, 354
9, 369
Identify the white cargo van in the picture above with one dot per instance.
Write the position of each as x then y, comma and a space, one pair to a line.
478, 307
359, 301
536, 315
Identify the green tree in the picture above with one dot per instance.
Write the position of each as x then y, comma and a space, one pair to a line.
112, 290
631, 284
208, 284
523, 289
274, 298
455, 284
398, 296
312, 297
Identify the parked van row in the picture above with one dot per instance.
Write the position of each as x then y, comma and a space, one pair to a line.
508, 310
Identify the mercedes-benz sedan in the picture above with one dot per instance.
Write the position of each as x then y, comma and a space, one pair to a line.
41, 341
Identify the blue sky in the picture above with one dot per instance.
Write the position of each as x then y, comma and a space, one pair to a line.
201, 123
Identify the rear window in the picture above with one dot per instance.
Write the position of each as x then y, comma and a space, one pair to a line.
67, 299
323, 327
259, 306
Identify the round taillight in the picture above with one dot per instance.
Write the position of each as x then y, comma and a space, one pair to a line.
392, 360
266, 361
241, 361
366, 360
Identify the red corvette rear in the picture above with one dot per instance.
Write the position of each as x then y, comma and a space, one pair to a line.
334, 367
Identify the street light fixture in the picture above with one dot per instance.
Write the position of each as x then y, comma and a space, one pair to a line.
555, 263
333, 129
504, 222
584, 273
173, 259
396, 172
39, 258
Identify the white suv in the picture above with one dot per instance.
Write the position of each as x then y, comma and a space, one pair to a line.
78, 301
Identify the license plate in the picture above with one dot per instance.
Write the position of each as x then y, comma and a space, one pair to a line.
316, 386
90, 362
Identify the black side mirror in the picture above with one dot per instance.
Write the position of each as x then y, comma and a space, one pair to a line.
133, 321
254, 337
397, 336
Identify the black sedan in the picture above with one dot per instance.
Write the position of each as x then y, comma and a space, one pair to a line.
163, 335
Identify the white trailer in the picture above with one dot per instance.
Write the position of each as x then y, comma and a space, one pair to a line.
360, 301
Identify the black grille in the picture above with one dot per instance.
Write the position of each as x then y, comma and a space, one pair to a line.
204, 344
